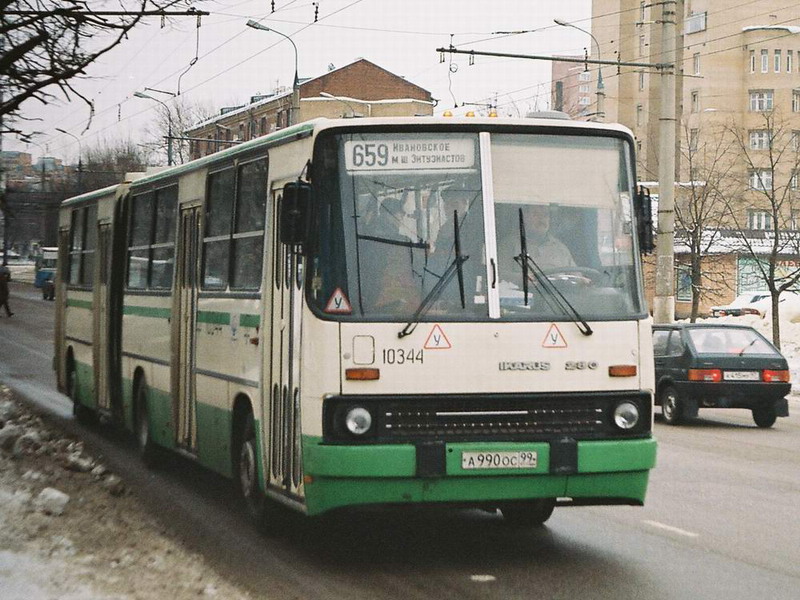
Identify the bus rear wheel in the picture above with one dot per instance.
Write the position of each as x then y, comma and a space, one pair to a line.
533, 513
146, 447
82, 414
246, 470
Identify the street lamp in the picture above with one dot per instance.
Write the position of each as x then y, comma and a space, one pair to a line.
601, 94
169, 123
346, 101
80, 157
296, 85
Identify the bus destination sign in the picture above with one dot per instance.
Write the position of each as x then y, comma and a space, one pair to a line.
392, 155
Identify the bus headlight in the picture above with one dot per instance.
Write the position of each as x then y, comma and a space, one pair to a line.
626, 415
358, 420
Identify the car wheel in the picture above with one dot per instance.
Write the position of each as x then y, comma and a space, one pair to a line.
528, 514
671, 406
765, 416
149, 452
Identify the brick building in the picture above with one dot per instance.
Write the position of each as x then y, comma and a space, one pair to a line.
359, 89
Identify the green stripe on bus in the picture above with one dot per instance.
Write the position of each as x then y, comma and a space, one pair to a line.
147, 311
79, 303
213, 317
249, 320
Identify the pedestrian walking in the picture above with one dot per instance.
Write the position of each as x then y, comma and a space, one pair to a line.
5, 277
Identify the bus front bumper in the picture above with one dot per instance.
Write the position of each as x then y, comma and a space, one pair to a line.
585, 472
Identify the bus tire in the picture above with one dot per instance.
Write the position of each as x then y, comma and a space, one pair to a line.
765, 416
82, 414
246, 469
147, 449
671, 406
532, 513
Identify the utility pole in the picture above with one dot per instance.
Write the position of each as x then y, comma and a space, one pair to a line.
664, 300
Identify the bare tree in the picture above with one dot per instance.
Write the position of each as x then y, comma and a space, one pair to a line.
107, 163
768, 182
46, 45
176, 117
700, 212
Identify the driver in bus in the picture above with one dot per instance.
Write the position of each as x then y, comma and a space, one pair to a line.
544, 248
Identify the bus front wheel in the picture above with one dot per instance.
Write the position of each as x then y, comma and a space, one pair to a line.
246, 466
532, 513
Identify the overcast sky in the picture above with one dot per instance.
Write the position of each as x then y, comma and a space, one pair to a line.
236, 62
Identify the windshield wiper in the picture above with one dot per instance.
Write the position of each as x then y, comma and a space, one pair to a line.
754, 340
454, 268
558, 299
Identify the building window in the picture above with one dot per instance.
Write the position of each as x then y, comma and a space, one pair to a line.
765, 61
693, 135
761, 180
695, 102
642, 6
585, 76
793, 181
584, 100
795, 100
696, 63
795, 223
641, 81
583, 89
759, 139
789, 61
639, 115
262, 126
641, 46
759, 219
752, 61
683, 283
777, 61
760, 100
796, 141
695, 23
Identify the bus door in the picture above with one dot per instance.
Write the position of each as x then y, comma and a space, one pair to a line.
101, 317
61, 308
184, 317
282, 426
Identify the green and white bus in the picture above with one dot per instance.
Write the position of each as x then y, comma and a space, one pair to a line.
370, 312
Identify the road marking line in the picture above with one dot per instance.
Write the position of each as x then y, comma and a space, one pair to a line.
483, 578
672, 529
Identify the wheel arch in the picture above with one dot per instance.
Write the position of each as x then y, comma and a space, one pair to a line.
242, 406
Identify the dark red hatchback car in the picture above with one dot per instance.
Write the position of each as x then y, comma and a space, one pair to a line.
718, 366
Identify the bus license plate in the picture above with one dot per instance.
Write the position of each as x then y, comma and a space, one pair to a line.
742, 376
525, 459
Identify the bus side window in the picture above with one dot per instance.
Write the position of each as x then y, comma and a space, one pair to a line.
140, 232
248, 234
218, 217
163, 249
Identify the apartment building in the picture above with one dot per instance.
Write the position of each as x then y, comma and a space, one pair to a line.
358, 89
572, 89
738, 69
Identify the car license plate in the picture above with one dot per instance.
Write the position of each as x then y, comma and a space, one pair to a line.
742, 376
525, 459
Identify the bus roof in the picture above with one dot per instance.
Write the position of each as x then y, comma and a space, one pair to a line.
313, 126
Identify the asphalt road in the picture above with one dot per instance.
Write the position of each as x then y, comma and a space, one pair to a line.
721, 521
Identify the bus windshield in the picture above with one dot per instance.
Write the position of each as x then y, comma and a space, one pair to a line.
417, 226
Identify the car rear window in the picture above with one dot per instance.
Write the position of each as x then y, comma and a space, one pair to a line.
729, 341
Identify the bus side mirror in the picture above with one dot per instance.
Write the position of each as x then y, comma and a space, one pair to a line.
643, 207
294, 212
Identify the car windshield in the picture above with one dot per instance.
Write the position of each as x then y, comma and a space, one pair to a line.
722, 340
404, 226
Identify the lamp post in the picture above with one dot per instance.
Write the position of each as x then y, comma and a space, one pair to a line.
296, 85
80, 157
346, 101
601, 94
169, 123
